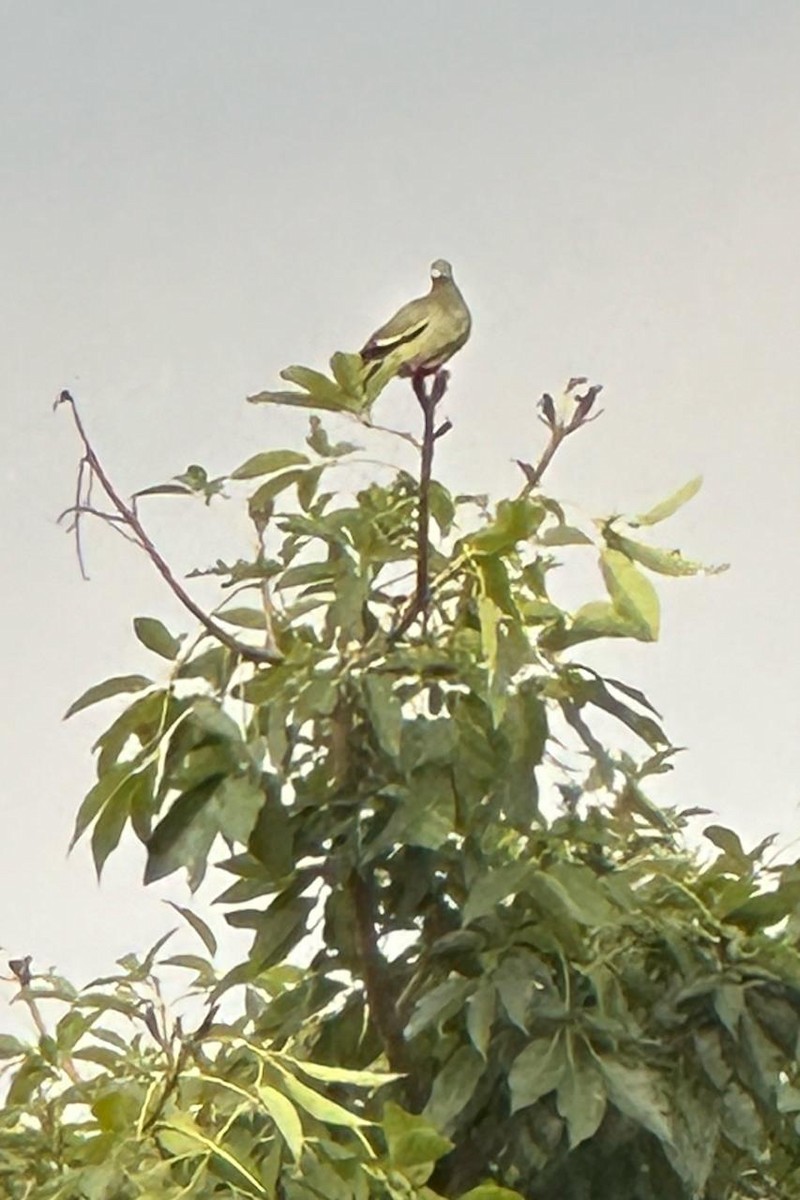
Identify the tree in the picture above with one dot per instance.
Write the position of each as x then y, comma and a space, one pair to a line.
454, 988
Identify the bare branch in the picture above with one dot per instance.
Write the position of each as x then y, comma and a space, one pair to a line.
129, 518
559, 429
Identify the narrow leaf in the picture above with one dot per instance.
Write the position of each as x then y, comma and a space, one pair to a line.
110, 687
671, 505
269, 461
198, 925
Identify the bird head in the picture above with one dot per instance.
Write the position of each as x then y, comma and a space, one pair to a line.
441, 269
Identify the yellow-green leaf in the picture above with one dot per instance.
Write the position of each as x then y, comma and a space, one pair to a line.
667, 507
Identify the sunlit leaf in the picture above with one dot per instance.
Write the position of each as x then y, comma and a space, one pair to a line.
671, 505
268, 462
536, 1071
632, 594
412, 1140
110, 687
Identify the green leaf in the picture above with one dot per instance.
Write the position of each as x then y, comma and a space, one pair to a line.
277, 929
261, 499
271, 841
238, 802
729, 1006
10, 1047
268, 462
491, 1191
442, 508
307, 487
633, 596
320, 443
293, 399
596, 619
536, 1071
515, 521
153, 634
245, 618
321, 1107
184, 836
198, 925
671, 505
516, 981
594, 691
729, 841
581, 1099
638, 1093
481, 1008
348, 371
437, 1006
181, 1135
321, 392
425, 816
633, 800
285, 1116
110, 687
453, 1086
489, 615
741, 1121
663, 562
385, 711
103, 791
412, 1140
564, 535
492, 888
136, 789
328, 1074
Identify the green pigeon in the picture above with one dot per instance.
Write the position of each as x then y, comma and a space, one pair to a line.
424, 333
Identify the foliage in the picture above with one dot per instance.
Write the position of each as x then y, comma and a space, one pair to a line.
503, 996
120, 1102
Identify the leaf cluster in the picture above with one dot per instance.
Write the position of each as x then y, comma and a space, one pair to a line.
450, 827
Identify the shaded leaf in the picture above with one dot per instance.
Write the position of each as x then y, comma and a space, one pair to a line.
640, 1094
153, 634
536, 1071
198, 925
453, 1086
581, 1099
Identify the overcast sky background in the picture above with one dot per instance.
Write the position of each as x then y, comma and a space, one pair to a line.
195, 194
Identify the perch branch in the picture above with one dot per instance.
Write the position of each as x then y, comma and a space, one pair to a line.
428, 401
130, 519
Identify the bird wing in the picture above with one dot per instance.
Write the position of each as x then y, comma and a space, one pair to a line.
407, 324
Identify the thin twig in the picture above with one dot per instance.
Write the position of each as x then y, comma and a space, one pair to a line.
130, 518
559, 430
21, 969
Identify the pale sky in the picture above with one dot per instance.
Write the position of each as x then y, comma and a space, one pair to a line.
195, 194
